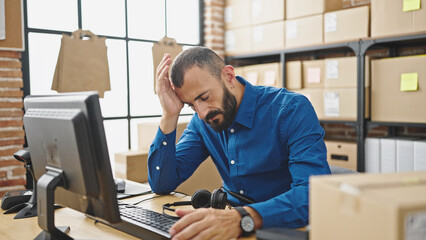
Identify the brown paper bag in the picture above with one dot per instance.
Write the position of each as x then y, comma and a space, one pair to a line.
165, 45
82, 64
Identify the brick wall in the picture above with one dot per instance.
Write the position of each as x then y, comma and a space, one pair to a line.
214, 33
12, 172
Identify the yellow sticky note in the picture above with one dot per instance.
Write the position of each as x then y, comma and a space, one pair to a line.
409, 82
410, 5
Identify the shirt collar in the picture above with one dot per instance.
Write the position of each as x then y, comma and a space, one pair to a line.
246, 110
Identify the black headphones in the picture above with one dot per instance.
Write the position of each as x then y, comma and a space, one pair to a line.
204, 199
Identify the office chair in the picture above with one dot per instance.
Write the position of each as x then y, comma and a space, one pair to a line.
341, 170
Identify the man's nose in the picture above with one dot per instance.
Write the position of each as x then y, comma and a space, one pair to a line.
202, 109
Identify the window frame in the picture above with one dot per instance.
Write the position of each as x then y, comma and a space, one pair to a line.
25, 55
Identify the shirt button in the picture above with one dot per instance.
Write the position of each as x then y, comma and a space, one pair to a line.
232, 162
164, 143
232, 130
157, 167
241, 192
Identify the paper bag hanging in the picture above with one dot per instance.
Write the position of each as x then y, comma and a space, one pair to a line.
82, 64
165, 45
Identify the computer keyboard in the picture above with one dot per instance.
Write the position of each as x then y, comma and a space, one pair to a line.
146, 216
143, 223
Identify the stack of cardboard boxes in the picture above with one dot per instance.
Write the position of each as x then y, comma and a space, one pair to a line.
271, 25
267, 74
132, 165
330, 84
255, 25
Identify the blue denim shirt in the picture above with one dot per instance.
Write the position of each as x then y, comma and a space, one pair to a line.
268, 153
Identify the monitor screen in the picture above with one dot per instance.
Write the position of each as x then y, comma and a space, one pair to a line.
66, 132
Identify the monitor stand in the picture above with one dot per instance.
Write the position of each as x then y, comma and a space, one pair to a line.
46, 186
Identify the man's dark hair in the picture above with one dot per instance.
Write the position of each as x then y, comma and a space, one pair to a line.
201, 57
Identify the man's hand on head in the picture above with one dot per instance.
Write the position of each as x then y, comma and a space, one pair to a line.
170, 102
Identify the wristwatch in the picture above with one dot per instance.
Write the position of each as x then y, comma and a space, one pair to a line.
247, 222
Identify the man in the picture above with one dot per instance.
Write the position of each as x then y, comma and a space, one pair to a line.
264, 141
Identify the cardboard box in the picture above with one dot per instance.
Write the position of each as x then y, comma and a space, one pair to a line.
265, 11
354, 3
389, 18
268, 74
313, 73
368, 206
342, 154
391, 79
148, 130
372, 155
301, 8
132, 165
347, 25
316, 97
238, 41
342, 72
293, 75
251, 74
267, 37
419, 149
304, 31
236, 14
205, 177
239, 71
387, 155
341, 104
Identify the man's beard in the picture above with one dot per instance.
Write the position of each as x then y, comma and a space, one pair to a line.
229, 106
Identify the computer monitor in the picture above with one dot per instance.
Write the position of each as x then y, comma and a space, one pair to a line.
69, 153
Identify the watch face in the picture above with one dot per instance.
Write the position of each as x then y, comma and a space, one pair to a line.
247, 224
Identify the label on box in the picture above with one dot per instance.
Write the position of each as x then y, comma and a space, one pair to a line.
409, 82
252, 78
314, 75
230, 40
410, 5
258, 34
229, 17
331, 104
291, 30
332, 69
270, 78
415, 226
256, 8
330, 22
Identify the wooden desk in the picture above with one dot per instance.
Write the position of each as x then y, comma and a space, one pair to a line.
81, 226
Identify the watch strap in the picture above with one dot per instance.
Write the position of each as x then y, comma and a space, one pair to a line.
243, 213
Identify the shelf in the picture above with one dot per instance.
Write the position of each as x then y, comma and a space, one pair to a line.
395, 40
322, 47
371, 124
254, 55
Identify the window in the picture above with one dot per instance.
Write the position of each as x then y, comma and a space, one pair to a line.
131, 27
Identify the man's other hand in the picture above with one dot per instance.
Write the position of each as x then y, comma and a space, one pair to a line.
206, 223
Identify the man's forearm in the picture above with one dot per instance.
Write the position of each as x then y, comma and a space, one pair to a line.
168, 124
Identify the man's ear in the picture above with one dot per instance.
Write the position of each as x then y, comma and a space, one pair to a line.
229, 73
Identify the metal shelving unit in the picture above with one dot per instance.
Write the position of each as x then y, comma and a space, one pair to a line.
359, 48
